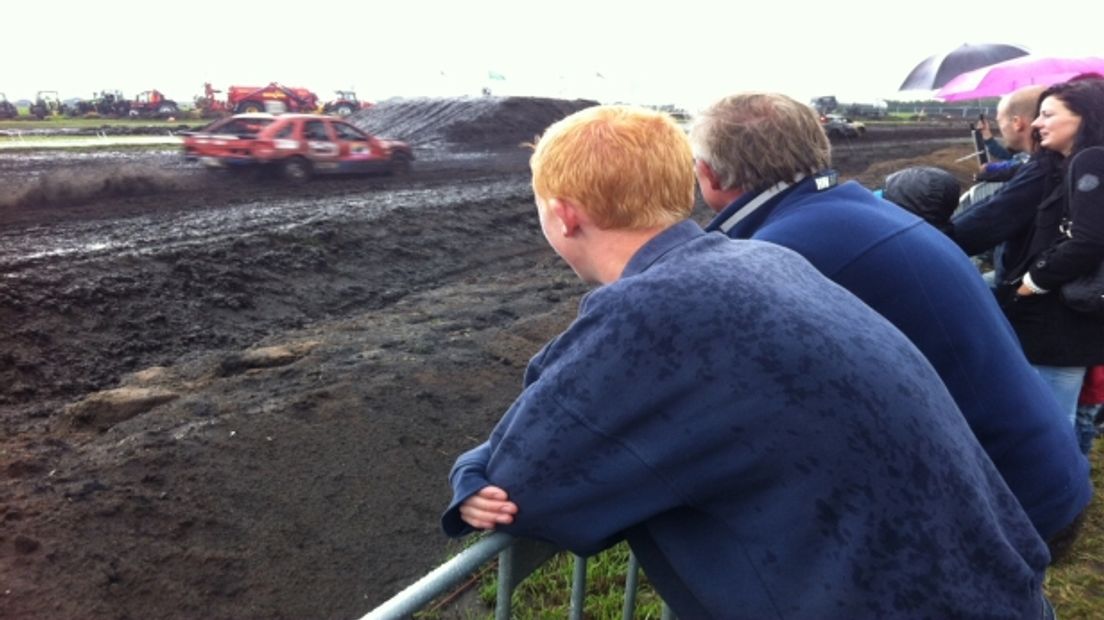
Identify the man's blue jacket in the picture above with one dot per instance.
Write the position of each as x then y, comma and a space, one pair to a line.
915, 277
1005, 217
769, 446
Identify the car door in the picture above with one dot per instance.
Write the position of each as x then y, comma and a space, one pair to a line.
322, 149
360, 152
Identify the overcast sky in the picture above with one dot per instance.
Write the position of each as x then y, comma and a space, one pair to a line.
687, 52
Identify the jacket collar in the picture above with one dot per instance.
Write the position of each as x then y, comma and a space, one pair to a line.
660, 244
747, 213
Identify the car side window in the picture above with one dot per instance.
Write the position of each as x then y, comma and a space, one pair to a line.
285, 131
315, 130
348, 132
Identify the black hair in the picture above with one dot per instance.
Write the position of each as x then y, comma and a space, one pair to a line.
1084, 96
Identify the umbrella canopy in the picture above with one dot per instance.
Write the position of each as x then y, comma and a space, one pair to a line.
937, 70
1005, 77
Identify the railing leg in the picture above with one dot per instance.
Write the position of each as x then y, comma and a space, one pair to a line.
631, 577
578, 588
505, 584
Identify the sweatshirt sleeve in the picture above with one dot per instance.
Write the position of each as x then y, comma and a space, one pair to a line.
1002, 216
576, 450
576, 484
468, 475
1083, 252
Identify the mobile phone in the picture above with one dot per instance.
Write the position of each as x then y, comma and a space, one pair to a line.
979, 145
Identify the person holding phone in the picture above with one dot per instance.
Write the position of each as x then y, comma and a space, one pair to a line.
1000, 215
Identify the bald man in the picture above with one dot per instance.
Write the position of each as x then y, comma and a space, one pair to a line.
1015, 112
1007, 216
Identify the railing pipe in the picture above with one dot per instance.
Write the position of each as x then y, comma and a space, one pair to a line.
631, 574
578, 588
419, 594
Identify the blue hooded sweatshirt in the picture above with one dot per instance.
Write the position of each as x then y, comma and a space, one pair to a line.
918, 279
769, 446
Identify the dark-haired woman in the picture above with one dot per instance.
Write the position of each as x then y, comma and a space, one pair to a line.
1067, 241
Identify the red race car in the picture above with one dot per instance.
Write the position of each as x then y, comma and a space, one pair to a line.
298, 145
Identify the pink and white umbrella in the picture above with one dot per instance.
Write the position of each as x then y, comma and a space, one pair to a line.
1005, 77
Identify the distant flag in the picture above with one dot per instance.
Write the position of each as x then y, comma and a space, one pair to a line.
495, 76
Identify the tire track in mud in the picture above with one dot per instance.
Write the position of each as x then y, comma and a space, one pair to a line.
144, 290
149, 235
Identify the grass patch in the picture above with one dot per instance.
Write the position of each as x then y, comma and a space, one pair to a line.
546, 594
60, 122
89, 144
1076, 585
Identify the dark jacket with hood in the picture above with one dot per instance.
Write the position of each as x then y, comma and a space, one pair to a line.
1057, 252
1005, 217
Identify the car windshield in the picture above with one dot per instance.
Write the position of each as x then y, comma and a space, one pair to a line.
241, 127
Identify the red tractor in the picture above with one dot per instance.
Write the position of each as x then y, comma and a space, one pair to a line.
273, 98
153, 104
210, 106
345, 104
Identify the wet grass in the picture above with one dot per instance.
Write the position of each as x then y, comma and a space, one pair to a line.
547, 594
62, 122
84, 142
1076, 585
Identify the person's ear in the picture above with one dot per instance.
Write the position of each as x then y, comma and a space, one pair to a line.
567, 215
705, 172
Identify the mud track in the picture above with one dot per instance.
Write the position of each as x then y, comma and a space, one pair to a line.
314, 359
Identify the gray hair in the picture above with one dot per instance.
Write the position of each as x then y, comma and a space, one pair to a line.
755, 140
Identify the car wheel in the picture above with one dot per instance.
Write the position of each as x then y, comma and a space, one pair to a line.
343, 110
249, 107
297, 170
167, 109
400, 164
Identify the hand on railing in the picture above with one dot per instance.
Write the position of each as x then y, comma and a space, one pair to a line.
489, 507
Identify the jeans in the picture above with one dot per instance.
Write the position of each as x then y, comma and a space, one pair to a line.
1065, 382
1086, 426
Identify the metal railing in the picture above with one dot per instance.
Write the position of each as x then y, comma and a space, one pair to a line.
517, 559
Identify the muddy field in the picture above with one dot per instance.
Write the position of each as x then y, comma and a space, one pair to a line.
225, 399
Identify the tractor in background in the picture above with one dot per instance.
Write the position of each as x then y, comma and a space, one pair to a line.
47, 103
209, 105
345, 104
7, 108
109, 103
274, 98
152, 104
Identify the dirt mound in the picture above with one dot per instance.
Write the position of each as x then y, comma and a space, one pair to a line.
467, 123
66, 187
949, 159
